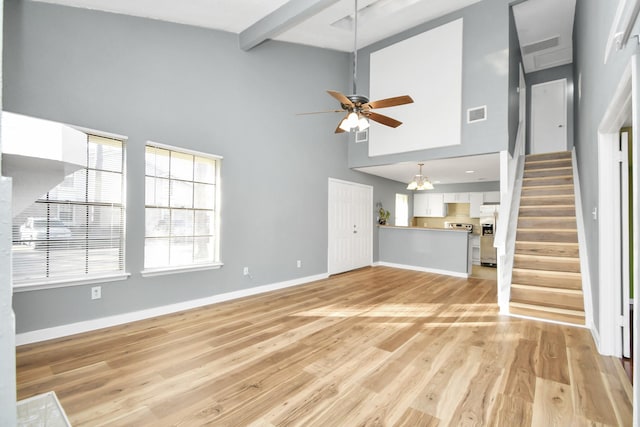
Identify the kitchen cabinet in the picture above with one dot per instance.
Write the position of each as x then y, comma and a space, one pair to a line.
429, 205
456, 197
437, 207
475, 201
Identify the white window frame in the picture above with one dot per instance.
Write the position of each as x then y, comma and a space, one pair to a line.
402, 200
216, 264
80, 280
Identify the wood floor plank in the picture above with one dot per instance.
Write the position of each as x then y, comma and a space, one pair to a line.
377, 346
553, 406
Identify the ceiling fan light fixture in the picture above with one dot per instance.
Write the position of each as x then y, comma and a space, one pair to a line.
363, 123
420, 182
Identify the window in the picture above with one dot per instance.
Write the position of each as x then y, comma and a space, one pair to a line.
181, 209
402, 210
76, 230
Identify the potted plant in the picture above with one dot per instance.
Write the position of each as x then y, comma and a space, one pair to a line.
383, 216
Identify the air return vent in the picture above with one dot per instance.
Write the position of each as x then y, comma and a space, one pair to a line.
477, 114
541, 45
362, 136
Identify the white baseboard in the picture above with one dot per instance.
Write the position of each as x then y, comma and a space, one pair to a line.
596, 338
105, 322
423, 269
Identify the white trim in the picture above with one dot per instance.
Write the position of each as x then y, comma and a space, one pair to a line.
151, 272
119, 319
182, 150
582, 247
422, 269
617, 111
100, 133
64, 283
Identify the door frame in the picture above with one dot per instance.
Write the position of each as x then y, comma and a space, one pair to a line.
329, 232
564, 110
623, 104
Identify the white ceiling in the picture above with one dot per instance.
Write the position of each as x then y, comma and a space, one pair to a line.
378, 19
545, 30
536, 20
485, 167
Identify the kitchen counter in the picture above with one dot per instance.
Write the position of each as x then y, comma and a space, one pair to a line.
434, 250
425, 228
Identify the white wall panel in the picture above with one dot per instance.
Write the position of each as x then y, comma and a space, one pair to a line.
428, 67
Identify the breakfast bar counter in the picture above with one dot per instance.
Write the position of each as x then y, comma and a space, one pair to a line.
435, 250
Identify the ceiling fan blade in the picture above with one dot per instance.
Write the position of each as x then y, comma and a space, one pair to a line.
340, 97
389, 102
320, 112
338, 129
385, 120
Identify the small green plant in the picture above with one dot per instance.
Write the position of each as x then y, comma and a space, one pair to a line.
383, 216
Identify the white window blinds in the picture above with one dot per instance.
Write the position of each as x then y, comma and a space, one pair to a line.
76, 230
180, 208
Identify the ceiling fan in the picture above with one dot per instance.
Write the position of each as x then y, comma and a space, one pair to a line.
358, 108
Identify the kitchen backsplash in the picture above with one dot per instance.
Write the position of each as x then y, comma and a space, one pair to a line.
456, 212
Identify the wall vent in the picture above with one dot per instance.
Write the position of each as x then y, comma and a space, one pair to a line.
541, 45
362, 136
477, 114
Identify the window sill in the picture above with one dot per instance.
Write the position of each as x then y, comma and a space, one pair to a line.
151, 272
64, 283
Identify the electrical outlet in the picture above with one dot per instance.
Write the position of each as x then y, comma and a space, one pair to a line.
299, 263
245, 271
96, 292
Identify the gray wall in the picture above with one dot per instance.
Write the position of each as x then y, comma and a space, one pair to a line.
549, 75
515, 59
485, 81
599, 81
189, 87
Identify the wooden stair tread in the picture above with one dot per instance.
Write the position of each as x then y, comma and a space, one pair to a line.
547, 289
547, 278
553, 248
569, 299
548, 313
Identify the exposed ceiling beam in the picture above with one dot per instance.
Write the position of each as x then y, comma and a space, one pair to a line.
287, 16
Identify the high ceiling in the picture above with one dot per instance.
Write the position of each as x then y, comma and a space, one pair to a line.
544, 27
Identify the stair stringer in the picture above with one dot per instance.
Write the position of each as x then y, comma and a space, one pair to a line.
582, 249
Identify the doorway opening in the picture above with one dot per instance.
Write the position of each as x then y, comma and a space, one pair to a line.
617, 216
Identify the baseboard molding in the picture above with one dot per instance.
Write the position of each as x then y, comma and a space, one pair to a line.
106, 322
596, 339
423, 269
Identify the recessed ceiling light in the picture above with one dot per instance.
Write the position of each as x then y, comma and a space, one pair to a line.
469, 171
436, 182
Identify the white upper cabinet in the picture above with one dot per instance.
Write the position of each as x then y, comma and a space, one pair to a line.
420, 204
429, 205
456, 197
476, 200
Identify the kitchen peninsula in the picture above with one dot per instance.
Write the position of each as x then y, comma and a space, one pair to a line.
434, 250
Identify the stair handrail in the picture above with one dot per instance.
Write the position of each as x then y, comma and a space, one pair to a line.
505, 236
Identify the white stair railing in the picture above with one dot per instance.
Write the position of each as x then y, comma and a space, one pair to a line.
505, 237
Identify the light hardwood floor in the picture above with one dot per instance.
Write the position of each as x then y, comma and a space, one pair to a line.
377, 346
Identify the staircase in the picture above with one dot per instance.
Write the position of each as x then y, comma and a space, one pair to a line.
546, 281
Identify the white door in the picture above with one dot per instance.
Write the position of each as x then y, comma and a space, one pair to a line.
549, 117
350, 226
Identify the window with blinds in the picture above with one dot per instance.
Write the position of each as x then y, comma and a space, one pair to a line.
76, 230
181, 223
